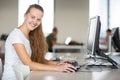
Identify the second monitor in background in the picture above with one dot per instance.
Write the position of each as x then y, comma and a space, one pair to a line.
116, 39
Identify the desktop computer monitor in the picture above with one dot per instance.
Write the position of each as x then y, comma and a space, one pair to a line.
93, 35
92, 46
116, 39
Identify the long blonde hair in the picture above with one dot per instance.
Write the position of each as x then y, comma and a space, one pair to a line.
37, 40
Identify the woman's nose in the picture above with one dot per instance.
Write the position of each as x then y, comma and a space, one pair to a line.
35, 22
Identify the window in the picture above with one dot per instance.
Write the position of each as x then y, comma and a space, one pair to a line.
109, 12
48, 18
99, 7
114, 13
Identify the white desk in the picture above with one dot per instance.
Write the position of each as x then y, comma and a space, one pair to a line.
52, 75
67, 47
47, 75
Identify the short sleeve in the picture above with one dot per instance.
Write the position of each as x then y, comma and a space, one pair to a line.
16, 37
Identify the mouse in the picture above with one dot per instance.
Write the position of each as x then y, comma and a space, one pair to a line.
75, 64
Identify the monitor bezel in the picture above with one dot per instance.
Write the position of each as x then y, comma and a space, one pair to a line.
95, 42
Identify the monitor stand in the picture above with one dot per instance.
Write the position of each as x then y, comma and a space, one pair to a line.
98, 61
95, 58
97, 64
101, 54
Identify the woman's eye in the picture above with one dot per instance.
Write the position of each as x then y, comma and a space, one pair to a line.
32, 17
38, 19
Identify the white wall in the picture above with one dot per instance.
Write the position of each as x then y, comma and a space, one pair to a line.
8, 15
71, 18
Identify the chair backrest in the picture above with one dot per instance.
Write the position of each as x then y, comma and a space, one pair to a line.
0, 68
22, 71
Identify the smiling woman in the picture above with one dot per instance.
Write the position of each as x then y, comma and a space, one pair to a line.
26, 45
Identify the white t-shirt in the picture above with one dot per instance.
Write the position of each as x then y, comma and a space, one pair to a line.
11, 57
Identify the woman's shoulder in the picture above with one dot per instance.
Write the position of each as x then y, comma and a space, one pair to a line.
16, 36
15, 32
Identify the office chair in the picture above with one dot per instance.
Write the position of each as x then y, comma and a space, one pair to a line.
21, 71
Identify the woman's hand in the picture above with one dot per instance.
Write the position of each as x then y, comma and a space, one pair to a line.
65, 61
65, 67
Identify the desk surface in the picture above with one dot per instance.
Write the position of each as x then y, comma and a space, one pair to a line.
52, 75
47, 75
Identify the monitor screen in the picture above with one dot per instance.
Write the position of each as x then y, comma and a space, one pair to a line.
93, 35
116, 39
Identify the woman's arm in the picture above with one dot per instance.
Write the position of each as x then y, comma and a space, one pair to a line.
24, 57
50, 62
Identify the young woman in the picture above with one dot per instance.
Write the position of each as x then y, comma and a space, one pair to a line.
26, 45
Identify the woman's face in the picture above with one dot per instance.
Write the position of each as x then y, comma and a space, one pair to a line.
33, 18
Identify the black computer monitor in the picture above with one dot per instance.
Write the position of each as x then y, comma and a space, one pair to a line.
93, 41
93, 35
116, 39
